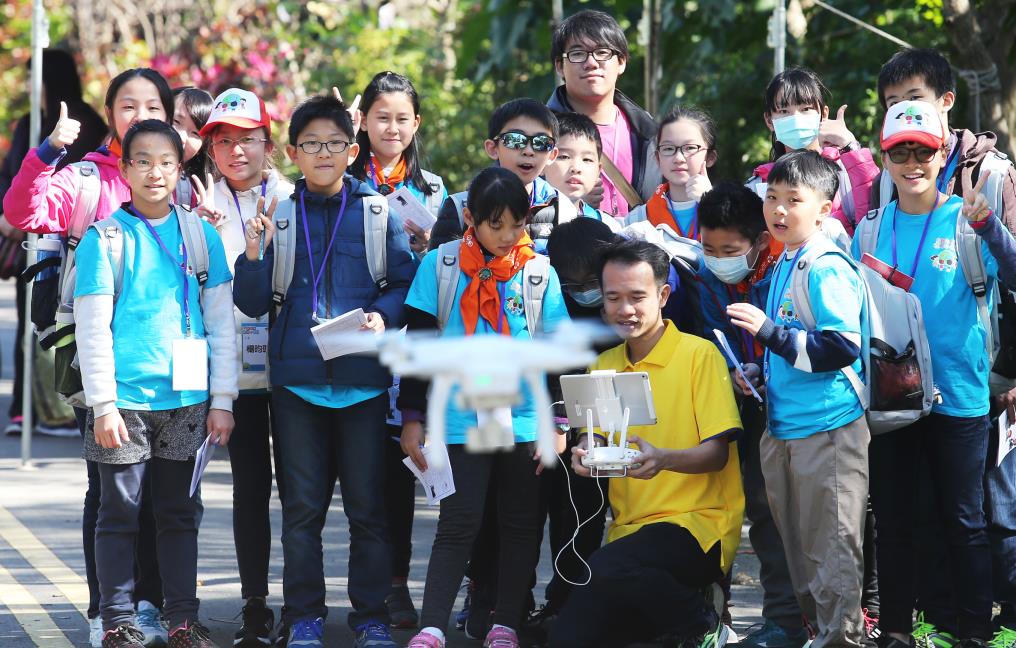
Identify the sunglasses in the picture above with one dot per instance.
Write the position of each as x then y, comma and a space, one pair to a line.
901, 154
518, 141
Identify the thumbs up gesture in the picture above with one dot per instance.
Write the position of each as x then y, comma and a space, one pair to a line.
66, 131
698, 185
975, 205
834, 132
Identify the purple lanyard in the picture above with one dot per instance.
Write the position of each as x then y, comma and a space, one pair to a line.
500, 311
315, 278
236, 201
772, 306
924, 234
182, 266
744, 337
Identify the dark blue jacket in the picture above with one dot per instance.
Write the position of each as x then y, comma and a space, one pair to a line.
346, 285
716, 296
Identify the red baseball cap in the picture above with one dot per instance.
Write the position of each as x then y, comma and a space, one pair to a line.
236, 107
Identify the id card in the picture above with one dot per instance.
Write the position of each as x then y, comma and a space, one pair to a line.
190, 364
254, 338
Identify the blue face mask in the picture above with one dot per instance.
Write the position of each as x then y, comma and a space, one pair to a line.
797, 131
587, 298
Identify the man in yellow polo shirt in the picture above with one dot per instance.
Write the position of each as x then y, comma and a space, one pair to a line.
677, 516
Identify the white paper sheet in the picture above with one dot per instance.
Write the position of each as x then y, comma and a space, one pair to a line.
437, 484
733, 360
342, 335
405, 204
201, 459
1006, 436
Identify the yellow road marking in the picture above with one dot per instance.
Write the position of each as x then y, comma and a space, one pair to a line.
71, 585
29, 614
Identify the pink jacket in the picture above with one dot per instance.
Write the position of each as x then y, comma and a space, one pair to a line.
41, 201
862, 171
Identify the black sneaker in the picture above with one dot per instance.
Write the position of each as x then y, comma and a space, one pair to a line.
124, 636
481, 613
191, 634
282, 636
256, 629
536, 628
401, 609
888, 641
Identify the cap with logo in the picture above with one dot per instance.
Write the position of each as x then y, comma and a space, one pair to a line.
913, 121
236, 107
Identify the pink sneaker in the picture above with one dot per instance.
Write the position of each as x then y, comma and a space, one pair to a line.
425, 640
501, 638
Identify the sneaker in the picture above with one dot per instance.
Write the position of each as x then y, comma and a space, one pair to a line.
501, 637
149, 621
256, 629
926, 635
535, 629
124, 636
401, 609
1004, 638
307, 632
481, 613
715, 638
190, 634
373, 635
892, 642
871, 630
65, 430
281, 634
462, 615
425, 640
772, 635
95, 632
14, 429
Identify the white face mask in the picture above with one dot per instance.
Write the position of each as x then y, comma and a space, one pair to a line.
730, 269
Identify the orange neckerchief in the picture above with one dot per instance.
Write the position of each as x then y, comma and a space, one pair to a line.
658, 212
115, 148
481, 298
397, 176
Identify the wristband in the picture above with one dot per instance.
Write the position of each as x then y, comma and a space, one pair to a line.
852, 146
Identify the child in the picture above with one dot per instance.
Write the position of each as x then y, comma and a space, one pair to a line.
238, 136
575, 171
389, 157
798, 118
329, 413
815, 454
521, 137
685, 149
590, 52
130, 320
192, 107
919, 229
495, 245
41, 200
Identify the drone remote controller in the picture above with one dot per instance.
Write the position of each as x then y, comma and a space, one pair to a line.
611, 459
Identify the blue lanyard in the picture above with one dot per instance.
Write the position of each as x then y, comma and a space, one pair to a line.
239, 214
315, 277
500, 313
774, 299
182, 266
924, 235
694, 219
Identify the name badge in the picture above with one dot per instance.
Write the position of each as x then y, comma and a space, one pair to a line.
190, 364
254, 341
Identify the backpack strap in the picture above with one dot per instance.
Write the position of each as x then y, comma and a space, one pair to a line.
284, 245
193, 233
968, 249
375, 233
866, 232
447, 279
184, 193
86, 204
459, 200
436, 197
111, 239
565, 209
846, 192
886, 189
535, 278
998, 165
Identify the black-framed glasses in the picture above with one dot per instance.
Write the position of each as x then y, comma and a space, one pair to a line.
902, 154
144, 166
518, 141
246, 143
599, 55
311, 147
687, 150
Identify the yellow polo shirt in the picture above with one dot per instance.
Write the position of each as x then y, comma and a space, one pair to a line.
694, 402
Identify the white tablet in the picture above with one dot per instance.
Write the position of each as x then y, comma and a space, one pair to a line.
581, 391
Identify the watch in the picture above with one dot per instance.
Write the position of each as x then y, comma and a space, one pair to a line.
852, 146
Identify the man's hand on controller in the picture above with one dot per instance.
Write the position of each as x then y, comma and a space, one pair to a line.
648, 463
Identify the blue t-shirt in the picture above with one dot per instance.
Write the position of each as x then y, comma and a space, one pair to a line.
803, 403
684, 214
423, 295
148, 316
960, 364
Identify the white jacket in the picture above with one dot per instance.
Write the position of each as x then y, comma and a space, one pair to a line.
231, 230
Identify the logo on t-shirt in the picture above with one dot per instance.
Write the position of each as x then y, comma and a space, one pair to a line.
786, 312
945, 260
513, 303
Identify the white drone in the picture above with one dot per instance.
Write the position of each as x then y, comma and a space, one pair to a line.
488, 370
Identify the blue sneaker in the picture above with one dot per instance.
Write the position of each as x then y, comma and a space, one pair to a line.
373, 635
770, 635
307, 632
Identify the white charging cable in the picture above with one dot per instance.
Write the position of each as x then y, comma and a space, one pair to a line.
579, 524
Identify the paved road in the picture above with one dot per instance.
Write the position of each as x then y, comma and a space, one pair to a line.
42, 589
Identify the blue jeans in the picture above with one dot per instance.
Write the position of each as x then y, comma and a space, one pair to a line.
312, 440
1000, 488
954, 449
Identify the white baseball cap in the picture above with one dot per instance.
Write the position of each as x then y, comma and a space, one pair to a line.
240, 108
913, 121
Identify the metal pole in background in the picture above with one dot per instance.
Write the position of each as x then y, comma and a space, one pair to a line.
557, 9
778, 36
40, 40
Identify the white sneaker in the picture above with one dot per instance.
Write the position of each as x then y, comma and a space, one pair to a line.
95, 632
149, 621
65, 431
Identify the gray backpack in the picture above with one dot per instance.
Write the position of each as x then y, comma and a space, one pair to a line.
436, 197
899, 388
535, 278
375, 232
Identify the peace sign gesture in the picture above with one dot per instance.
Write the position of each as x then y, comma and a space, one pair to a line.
353, 109
975, 205
260, 225
206, 208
